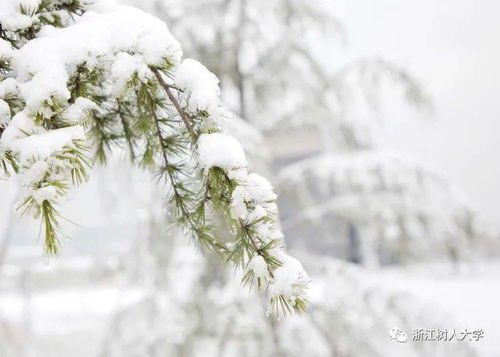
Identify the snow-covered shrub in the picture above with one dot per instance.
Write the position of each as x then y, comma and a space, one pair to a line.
376, 207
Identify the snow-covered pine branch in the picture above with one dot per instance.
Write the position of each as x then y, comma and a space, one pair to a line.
81, 77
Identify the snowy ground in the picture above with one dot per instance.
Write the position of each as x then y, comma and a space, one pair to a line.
61, 322
64, 320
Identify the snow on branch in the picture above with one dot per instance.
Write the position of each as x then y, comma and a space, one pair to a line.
80, 78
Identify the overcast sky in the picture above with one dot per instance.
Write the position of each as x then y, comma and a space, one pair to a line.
453, 47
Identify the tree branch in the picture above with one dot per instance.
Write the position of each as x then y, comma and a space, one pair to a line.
179, 199
168, 90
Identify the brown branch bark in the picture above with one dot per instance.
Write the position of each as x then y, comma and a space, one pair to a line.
184, 116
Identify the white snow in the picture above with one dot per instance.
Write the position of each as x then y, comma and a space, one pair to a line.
8, 86
238, 205
257, 213
201, 85
268, 232
41, 146
44, 86
258, 265
11, 16
124, 67
120, 40
256, 190
20, 124
290, 279
259, 188
45, 63
47, 193
4, 111
220, 150
238, 174
36, 172
5, 49
76, 111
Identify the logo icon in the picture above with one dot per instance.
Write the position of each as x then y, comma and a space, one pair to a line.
397, 334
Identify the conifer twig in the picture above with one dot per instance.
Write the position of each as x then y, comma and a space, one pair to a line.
179, 200
167, 88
